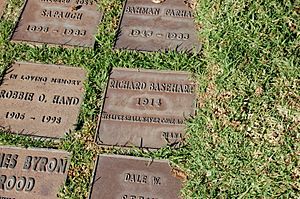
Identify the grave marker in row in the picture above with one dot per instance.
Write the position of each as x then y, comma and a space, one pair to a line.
148, 26
67, 22
144, 25
41, 100
127, 177
32, 173
146, 108
142, 108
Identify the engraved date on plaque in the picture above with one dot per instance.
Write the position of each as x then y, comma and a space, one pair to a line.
168, 35
144, 101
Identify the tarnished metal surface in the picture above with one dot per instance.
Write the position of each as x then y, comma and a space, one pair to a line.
125, 177
41, 100
148, 26
32, 173
146, 108
2, 6
66, 22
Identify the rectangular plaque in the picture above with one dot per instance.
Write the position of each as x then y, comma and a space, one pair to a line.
63, 22
149, 26
32, 173
125, 177
145, 108
41, 100
2, 7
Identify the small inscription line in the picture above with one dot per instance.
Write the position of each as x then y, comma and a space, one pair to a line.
145, 119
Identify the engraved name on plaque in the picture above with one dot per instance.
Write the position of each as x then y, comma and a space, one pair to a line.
63, 22
41, 100
125, 177
32, 173
146, 108
148, 26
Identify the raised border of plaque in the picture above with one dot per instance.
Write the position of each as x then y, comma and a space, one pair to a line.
127, 177
67, 23
32, 173
41, 100
148, 26
146, 108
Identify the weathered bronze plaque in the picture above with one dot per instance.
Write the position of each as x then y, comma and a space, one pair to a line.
127, 177
41, 100
63, 22
146, 108
148, 26
32, 173
2, 7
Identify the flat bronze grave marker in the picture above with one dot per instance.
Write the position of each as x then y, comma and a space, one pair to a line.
2, 7
127, 177
148, 26
67, 22
41, 100
32, 173
145, 108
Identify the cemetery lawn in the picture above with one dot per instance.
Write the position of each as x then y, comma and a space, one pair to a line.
244, 141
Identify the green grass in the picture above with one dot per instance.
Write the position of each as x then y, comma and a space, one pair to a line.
244, 141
